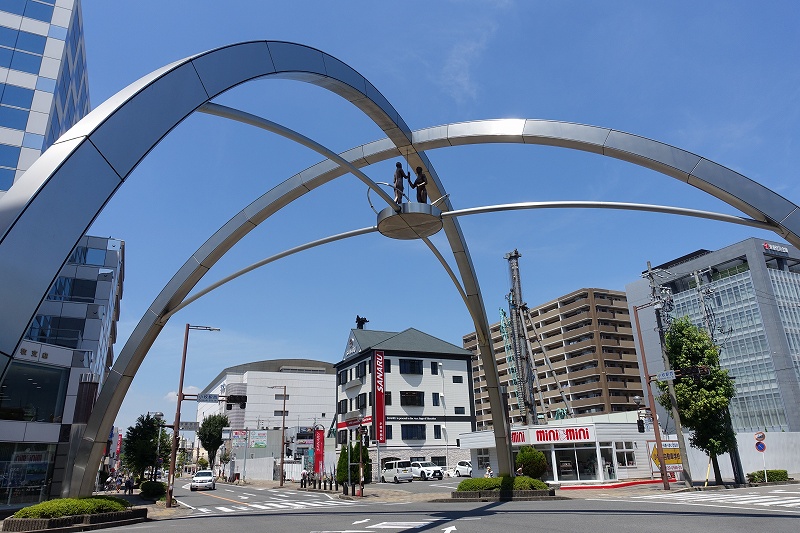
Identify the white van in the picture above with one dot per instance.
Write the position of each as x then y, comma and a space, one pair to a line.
397, 471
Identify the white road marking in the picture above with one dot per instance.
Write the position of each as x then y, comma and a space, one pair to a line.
225, 510
400, 525
246, 494
361, 521
181, 503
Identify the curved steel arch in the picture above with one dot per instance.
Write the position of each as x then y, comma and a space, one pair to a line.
91, 159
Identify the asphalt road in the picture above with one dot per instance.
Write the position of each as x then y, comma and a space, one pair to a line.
246, 508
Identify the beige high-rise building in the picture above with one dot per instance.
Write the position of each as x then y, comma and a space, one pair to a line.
588, 340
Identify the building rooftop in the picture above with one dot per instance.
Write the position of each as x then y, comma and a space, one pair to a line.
409, 340
298, 366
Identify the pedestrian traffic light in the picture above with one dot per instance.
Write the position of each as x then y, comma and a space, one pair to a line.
640, 425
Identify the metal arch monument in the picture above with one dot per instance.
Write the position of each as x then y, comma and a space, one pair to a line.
92, 160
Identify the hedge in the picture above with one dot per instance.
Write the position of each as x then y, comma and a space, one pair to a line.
772, 475
71, 507
152, 489
502, 483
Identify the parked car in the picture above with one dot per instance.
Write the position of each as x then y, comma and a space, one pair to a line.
203, 479
426, 470
463, 469
397, 471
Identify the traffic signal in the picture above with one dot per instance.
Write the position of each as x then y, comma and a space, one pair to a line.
640, 425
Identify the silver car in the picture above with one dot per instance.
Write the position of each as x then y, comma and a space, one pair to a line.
203, 479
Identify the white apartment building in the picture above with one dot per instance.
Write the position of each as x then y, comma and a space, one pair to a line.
411, 391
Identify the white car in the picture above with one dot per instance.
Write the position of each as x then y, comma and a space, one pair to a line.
397, 471
426, 470
203, 479
463, 469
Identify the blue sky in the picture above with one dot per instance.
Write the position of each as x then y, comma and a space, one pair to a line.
719, 79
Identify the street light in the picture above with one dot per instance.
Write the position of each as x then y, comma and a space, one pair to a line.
283, 427
159, 416
656, 428
177, 423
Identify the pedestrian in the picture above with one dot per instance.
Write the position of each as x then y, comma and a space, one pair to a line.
519, 471
119, 483
129, 486
488, 472
304, 478
420, 184
399, 176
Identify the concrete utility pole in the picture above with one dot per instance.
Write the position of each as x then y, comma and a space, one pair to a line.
656, 296
736, 460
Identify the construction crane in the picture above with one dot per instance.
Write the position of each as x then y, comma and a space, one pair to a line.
518, 342
523, 362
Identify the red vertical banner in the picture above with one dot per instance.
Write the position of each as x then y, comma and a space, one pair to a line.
119, 444
319, 451
380, 400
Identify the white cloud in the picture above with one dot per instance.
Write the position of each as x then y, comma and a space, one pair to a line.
456, 76
172, 396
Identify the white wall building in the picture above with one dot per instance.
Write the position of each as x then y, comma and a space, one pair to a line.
424, 402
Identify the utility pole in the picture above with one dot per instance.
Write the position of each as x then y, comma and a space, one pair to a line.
519, 339
708, 320
655, 295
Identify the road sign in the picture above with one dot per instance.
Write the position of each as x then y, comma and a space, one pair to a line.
208, 398
189, 426
666, 375
760, 436
672, 456
761, 446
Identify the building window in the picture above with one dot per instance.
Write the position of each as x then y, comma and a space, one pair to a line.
626, 456
483, 458
412, 398
418, 458
342, 377
361, 401
439, 460
341, 437
411, 366
458, 379
342, 407
280, 413
33, 393
361, 369
412, 431
435, 368
435, 399
387, 398
281, 397
387, 366
461, 410
437, 431
388, 432
370, 399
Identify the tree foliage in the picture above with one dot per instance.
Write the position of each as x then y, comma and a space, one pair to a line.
140, 448
702, 403
341, 466
532, 461
210, 435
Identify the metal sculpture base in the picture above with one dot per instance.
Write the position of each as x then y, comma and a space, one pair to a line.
414, 221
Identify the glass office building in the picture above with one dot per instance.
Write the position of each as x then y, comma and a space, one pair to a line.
749, 293
43, 83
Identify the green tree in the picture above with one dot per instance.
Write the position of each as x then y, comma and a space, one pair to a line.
532, 461
702, 402
140, 447
202, 463
341, 467
210, 435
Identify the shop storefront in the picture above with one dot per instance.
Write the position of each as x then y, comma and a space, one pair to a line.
576, 453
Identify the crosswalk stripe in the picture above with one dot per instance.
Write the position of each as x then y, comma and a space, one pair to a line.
225, 510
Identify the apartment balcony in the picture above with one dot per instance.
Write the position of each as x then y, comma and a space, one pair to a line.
568, 321
597, 401
581, 359
585, 373
566, 308
618, 371
586, 387
577, 332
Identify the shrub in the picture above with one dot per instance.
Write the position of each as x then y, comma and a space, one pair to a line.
532, 461
152, 489
71, 507
772, 475
502, 483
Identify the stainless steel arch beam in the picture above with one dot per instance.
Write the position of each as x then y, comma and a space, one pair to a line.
74, 179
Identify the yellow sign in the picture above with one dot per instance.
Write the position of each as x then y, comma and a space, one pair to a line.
672, 456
